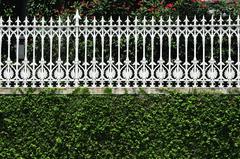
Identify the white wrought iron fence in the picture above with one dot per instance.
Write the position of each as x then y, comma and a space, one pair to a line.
115, 53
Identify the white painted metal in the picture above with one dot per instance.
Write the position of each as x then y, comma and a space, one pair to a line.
131, 53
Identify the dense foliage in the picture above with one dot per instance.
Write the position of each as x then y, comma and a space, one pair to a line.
105, 8
127, 126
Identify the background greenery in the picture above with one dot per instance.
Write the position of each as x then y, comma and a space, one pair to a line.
123, 8
120, 126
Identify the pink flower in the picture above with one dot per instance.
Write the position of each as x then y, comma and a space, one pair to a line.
169, 5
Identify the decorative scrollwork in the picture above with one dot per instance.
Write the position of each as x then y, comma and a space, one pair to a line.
94, 73
195, 73
42, 73
110, 72
144, 73
127, 73
25, 73
161, 73
212, 73
59, 73
76, 72
8, 73
177, 73
229, 73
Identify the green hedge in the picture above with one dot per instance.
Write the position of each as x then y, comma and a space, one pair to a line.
120, 126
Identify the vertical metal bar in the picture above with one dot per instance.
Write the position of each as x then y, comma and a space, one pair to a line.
102, 34
85, 51
119, 31
186, 63
203, 53
76, 61
34, 53
1, 37
67, 64
238, 52
136, 52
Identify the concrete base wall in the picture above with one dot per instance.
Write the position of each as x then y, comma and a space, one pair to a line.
81, 90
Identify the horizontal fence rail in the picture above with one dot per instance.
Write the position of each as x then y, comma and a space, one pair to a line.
114, 53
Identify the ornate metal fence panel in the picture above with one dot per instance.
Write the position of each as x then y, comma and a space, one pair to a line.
120, 53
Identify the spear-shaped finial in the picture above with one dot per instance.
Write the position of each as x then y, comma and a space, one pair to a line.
51, 21
203, 20
229, 20
220, 20
59, 21
43, 21
127, 21
186, 20
68, 21
136, 21
119, 21
9, 21
77, 17
161, 20
195, 20
1, 20
94, 21
238, 20
169, 20
18, 21
178, 20
34, 21
86, 21
103, 20
26, 21
144, 20
212, 20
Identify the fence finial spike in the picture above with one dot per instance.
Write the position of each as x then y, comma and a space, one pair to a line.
94, 20
220, 20
195, 20
119, 20
169, 20
86, 20
178, 20
161, 20
144, 20
43, 21
77, 17
111, 20
127, 20
26, 21
153, 20
34, 21
51, 21
1, 20
136, 20
103, 20
229, 20
186, 20
59, 20
68, 21
18, 21
238, 20
203, 20
9, 21
212, 20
